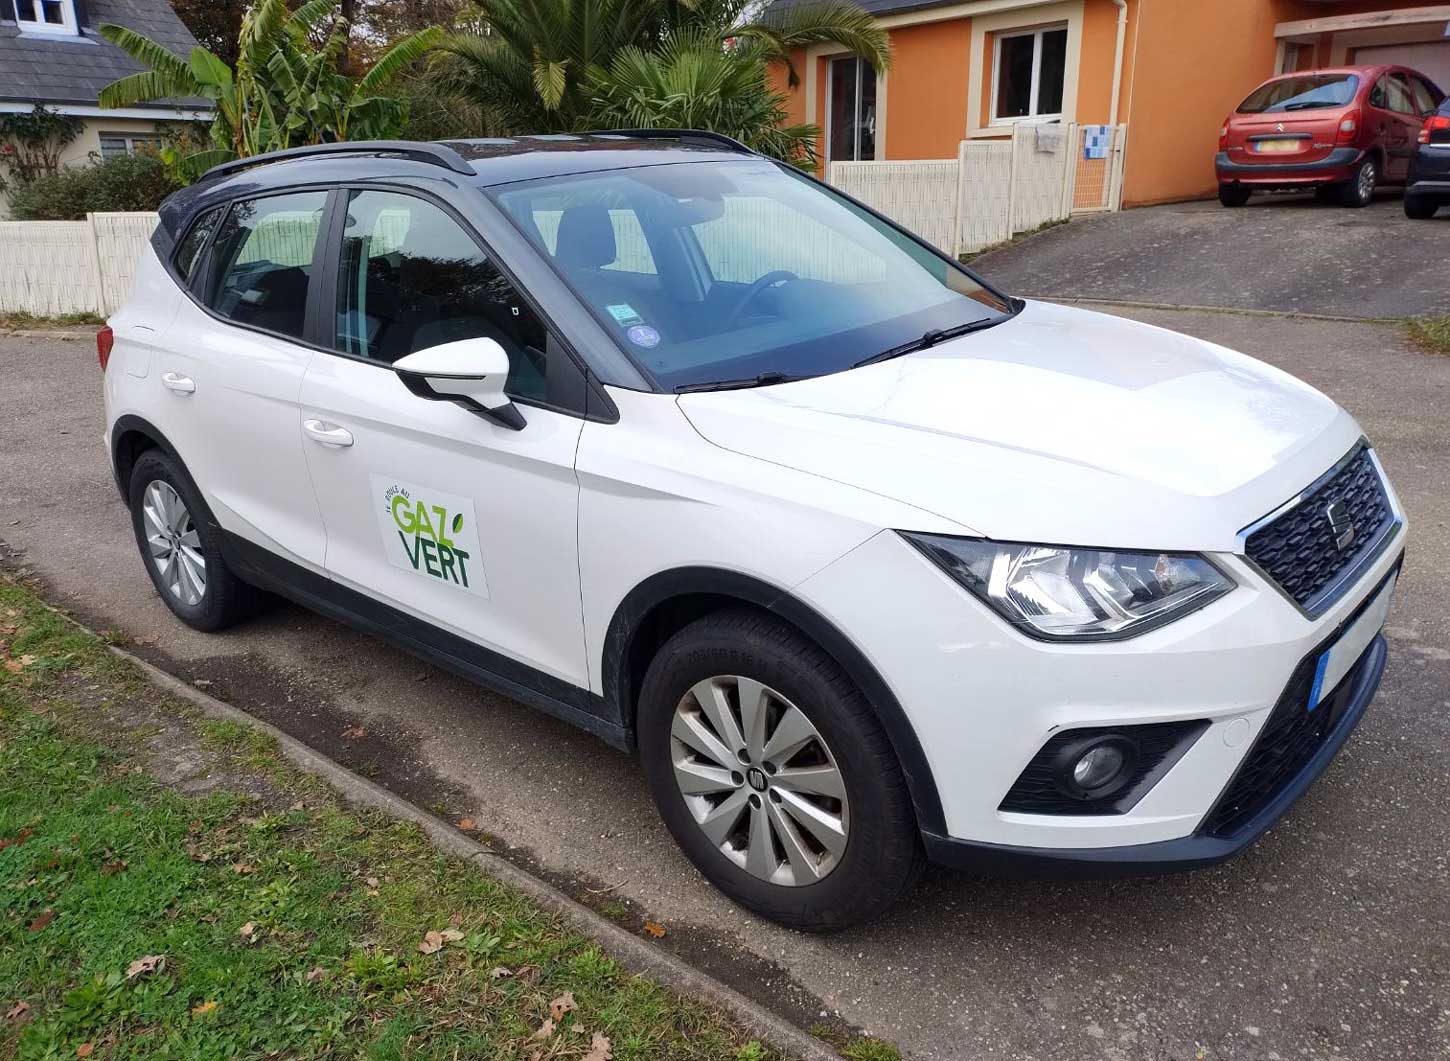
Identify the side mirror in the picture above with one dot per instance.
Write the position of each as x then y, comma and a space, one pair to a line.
470, 372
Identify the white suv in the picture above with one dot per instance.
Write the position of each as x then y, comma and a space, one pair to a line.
870, 562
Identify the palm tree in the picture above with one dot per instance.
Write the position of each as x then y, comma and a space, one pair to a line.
285, 90
566, 65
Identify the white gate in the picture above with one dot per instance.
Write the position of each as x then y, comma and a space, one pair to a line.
995, 188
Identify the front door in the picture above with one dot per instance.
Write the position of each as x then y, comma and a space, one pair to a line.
233, 370
429, 507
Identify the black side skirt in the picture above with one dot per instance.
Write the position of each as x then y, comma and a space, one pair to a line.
266, 570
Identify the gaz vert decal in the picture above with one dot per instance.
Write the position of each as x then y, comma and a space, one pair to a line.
431, 533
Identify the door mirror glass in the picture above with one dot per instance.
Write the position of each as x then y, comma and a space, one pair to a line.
471, 372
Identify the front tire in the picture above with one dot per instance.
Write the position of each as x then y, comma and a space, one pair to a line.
181, 549
774, 776
1233, 195
1358, 191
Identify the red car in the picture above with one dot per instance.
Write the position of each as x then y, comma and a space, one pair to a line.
1344, 131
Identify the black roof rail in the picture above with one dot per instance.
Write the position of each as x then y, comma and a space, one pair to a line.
675, 134
416, 150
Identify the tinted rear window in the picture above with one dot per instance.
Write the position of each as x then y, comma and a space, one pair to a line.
1309, 92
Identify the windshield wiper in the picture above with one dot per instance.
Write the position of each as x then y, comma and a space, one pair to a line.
929, 339
765, 379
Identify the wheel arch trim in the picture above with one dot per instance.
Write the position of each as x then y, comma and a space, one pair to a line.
661, 588
130, 424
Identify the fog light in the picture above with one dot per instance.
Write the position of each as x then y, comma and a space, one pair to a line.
1096, 767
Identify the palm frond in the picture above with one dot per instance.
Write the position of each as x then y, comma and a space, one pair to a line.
392, 62
144, 87
144, 50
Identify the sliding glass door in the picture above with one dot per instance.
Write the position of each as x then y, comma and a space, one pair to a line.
851, 111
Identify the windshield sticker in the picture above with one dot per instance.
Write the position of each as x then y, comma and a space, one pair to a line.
624, 314
430, 533
643, 335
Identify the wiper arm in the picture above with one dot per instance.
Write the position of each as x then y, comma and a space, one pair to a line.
929, 339
765, 379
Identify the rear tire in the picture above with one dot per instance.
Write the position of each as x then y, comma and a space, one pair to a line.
181, 547
1358, 191
1420, 208
1233, 195
792, 870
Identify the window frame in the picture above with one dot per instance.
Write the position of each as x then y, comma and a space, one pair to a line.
69, 27
856, 108
129, 140
1037, 33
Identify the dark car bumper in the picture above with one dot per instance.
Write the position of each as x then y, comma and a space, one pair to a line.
1336, 166
1167, 856
1430, 173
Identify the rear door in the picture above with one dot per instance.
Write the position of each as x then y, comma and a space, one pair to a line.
431, 508
231, 366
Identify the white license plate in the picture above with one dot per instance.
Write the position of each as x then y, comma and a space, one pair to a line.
1276, 147
1339, 657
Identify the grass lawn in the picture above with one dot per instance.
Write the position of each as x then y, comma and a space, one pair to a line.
171, 888
1430, 333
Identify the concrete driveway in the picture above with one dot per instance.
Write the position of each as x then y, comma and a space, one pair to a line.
1288, 254
1327, 940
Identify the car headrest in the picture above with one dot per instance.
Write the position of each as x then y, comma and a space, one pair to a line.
585, 238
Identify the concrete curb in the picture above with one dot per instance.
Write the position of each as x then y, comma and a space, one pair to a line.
629, 950
50, 333
1285, 314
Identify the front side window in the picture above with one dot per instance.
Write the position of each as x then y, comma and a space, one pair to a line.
411, 277
46, 16
1031, 68
851, 136
261, 262
762, 271
1426, 98
1305, 92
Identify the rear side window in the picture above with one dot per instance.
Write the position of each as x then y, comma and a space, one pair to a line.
1398, 95
1305, 92
411, 277
186, 254
261, 261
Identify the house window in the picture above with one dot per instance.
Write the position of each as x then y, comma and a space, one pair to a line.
114, 145
46, 16
851, 111
1029, 69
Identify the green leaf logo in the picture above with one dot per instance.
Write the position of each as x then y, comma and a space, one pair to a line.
457, 522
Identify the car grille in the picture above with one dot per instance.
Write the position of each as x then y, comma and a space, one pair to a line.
1289, 740
1297, 549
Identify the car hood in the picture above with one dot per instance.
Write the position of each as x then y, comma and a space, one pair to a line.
1059, 425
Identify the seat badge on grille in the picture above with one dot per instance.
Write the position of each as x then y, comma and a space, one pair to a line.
1341, 524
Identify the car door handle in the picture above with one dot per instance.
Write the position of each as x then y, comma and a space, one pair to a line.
174, 381
327, 434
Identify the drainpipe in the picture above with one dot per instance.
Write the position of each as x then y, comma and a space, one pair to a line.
1122, 6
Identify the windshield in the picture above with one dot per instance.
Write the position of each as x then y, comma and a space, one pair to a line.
1308, 92
713, 272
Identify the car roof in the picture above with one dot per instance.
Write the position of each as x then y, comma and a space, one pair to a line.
487, 161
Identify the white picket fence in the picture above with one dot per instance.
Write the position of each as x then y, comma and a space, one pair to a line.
994, 189
51, 268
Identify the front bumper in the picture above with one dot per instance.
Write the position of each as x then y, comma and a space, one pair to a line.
1338, 165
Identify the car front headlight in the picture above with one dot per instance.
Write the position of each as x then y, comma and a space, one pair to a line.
1064, 594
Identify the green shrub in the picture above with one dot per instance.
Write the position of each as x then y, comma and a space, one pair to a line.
128, 182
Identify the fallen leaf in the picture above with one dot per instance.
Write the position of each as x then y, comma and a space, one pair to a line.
43, 920
434, 941
562, 1005
110, 869
18, 839
248, 931
468, 825
316, 974
243, 868
455, 920
14, 666
655, 929
600, 1048
500, 973
545, 1030
206, 1007
85, 1050
354, 733
17, 1011
148, 963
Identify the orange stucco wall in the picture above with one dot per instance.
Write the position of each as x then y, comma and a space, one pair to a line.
926, 94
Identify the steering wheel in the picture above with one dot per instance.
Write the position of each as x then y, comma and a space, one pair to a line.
770, 279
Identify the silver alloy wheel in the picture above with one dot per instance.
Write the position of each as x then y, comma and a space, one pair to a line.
173, 542
760, 780
1365, 186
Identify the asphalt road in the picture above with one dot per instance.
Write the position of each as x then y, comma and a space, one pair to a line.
1280, 253
1328, 940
